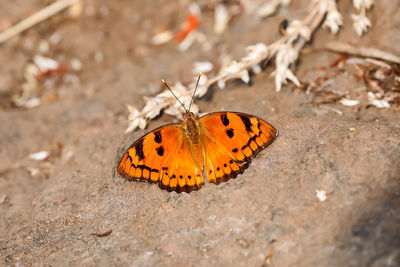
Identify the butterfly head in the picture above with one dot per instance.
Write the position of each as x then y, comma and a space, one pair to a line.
188, 116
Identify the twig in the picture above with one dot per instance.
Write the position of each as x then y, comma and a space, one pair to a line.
362, 51
103, 234
35, 19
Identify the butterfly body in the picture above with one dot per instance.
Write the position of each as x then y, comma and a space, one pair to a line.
181, 157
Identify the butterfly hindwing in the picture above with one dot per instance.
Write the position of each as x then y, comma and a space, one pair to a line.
162, 156
184, 172
232, 140
220, 164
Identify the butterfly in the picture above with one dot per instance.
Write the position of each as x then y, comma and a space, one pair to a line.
182, 156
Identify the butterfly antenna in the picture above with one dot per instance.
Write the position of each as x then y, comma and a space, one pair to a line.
194, 93
164, 82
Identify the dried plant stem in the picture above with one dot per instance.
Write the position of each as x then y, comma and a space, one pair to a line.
285, 51
313, 20
35, 19
165, 104
362, 51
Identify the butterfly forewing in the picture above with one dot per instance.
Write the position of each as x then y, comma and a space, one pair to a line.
146, 157
162, 156
232, 140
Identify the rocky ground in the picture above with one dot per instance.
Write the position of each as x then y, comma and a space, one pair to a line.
268, 216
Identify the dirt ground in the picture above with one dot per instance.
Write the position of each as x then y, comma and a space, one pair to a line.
268, 216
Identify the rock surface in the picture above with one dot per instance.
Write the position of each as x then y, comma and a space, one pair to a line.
268, 216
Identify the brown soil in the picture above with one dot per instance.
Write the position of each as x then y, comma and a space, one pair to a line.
269, 215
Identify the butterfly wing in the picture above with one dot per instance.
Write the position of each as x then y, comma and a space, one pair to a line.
184, 173
162, 156
231, 141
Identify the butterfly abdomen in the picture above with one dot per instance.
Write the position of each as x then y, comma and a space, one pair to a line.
194, 137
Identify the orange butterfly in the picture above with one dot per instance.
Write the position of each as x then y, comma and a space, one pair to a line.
180, 156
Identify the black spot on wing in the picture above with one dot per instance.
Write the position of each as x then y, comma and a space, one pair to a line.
144, 167
139, 149
224, 119
157, 137
235, 150
160, 150
246, 122
250, 140
229, 132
